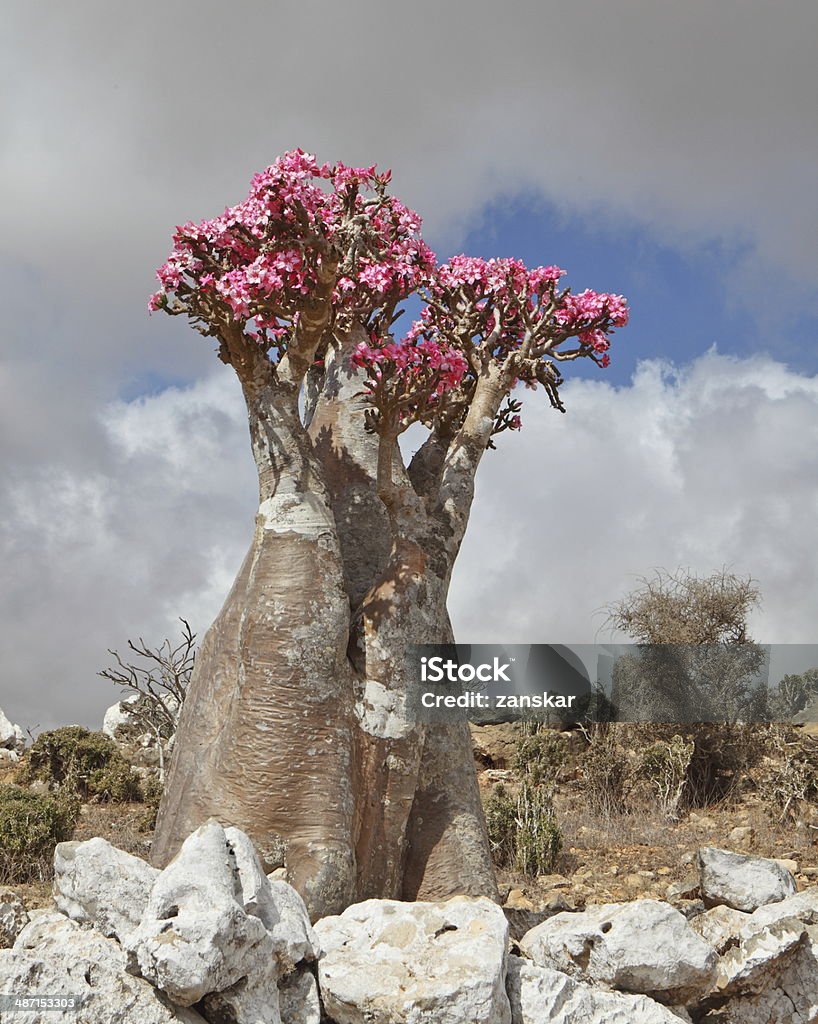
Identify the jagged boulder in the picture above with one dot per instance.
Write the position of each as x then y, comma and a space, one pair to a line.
539, 995
803, 906
741, 881
12, 737
407, 963
54, 955
275, 903
720, 927
13, 917
95, 882
771, 977
197, 940
119, 721
644, 947
748, 967
299, 1002
128, 723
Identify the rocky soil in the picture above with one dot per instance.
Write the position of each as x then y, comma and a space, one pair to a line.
710, 918
212, 938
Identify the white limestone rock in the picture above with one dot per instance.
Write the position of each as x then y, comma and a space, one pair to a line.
720, 927
97, 883
750, 966
55, 956
644, 946
740, 881
299, 1002
275, 903
539, 995
124, 726
294, 937
803, 906
12, 737
118, 722
787, 990
196, 939
13, 917
415, 963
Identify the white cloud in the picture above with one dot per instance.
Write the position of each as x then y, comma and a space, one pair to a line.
711, 464
714, 464
695, 119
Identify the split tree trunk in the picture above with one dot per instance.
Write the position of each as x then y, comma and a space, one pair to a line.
294, 727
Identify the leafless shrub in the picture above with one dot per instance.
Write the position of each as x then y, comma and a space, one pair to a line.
159, 679
681, 608
605, 772
665, 766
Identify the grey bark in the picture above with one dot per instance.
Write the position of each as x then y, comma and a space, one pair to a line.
294, 727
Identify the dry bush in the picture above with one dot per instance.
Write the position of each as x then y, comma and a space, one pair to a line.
31, 825
606, 772
159, 679
790, 778
681, 608
665, 765
523, 830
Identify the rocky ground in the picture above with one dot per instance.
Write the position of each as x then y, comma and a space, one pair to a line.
640, 853
211, 938
641, 920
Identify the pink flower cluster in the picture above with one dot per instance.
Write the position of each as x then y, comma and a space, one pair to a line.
408, 379
523, 298
260, 259
259, 263
447, 365
495, 277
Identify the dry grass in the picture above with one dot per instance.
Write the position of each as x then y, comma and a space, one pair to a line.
123, 825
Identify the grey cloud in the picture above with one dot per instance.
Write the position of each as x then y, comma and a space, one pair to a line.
694, 467
120, 121
715, 464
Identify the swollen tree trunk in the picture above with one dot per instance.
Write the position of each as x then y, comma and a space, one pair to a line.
421, 831
265, 738
295, 725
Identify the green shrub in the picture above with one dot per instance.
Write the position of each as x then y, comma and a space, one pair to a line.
152, 790
30, 828
88, 764
538, 839
523, 831
501, 817
541, 757
117, 782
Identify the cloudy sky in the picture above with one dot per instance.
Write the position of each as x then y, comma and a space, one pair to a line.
663, 150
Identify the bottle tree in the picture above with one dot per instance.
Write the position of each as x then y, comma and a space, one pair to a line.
294, 726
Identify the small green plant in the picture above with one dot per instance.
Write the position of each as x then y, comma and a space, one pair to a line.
605, 772
501, 817
538, 839
523, 830
152, 789
540, 757
30, 827
76, 761
664, 765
